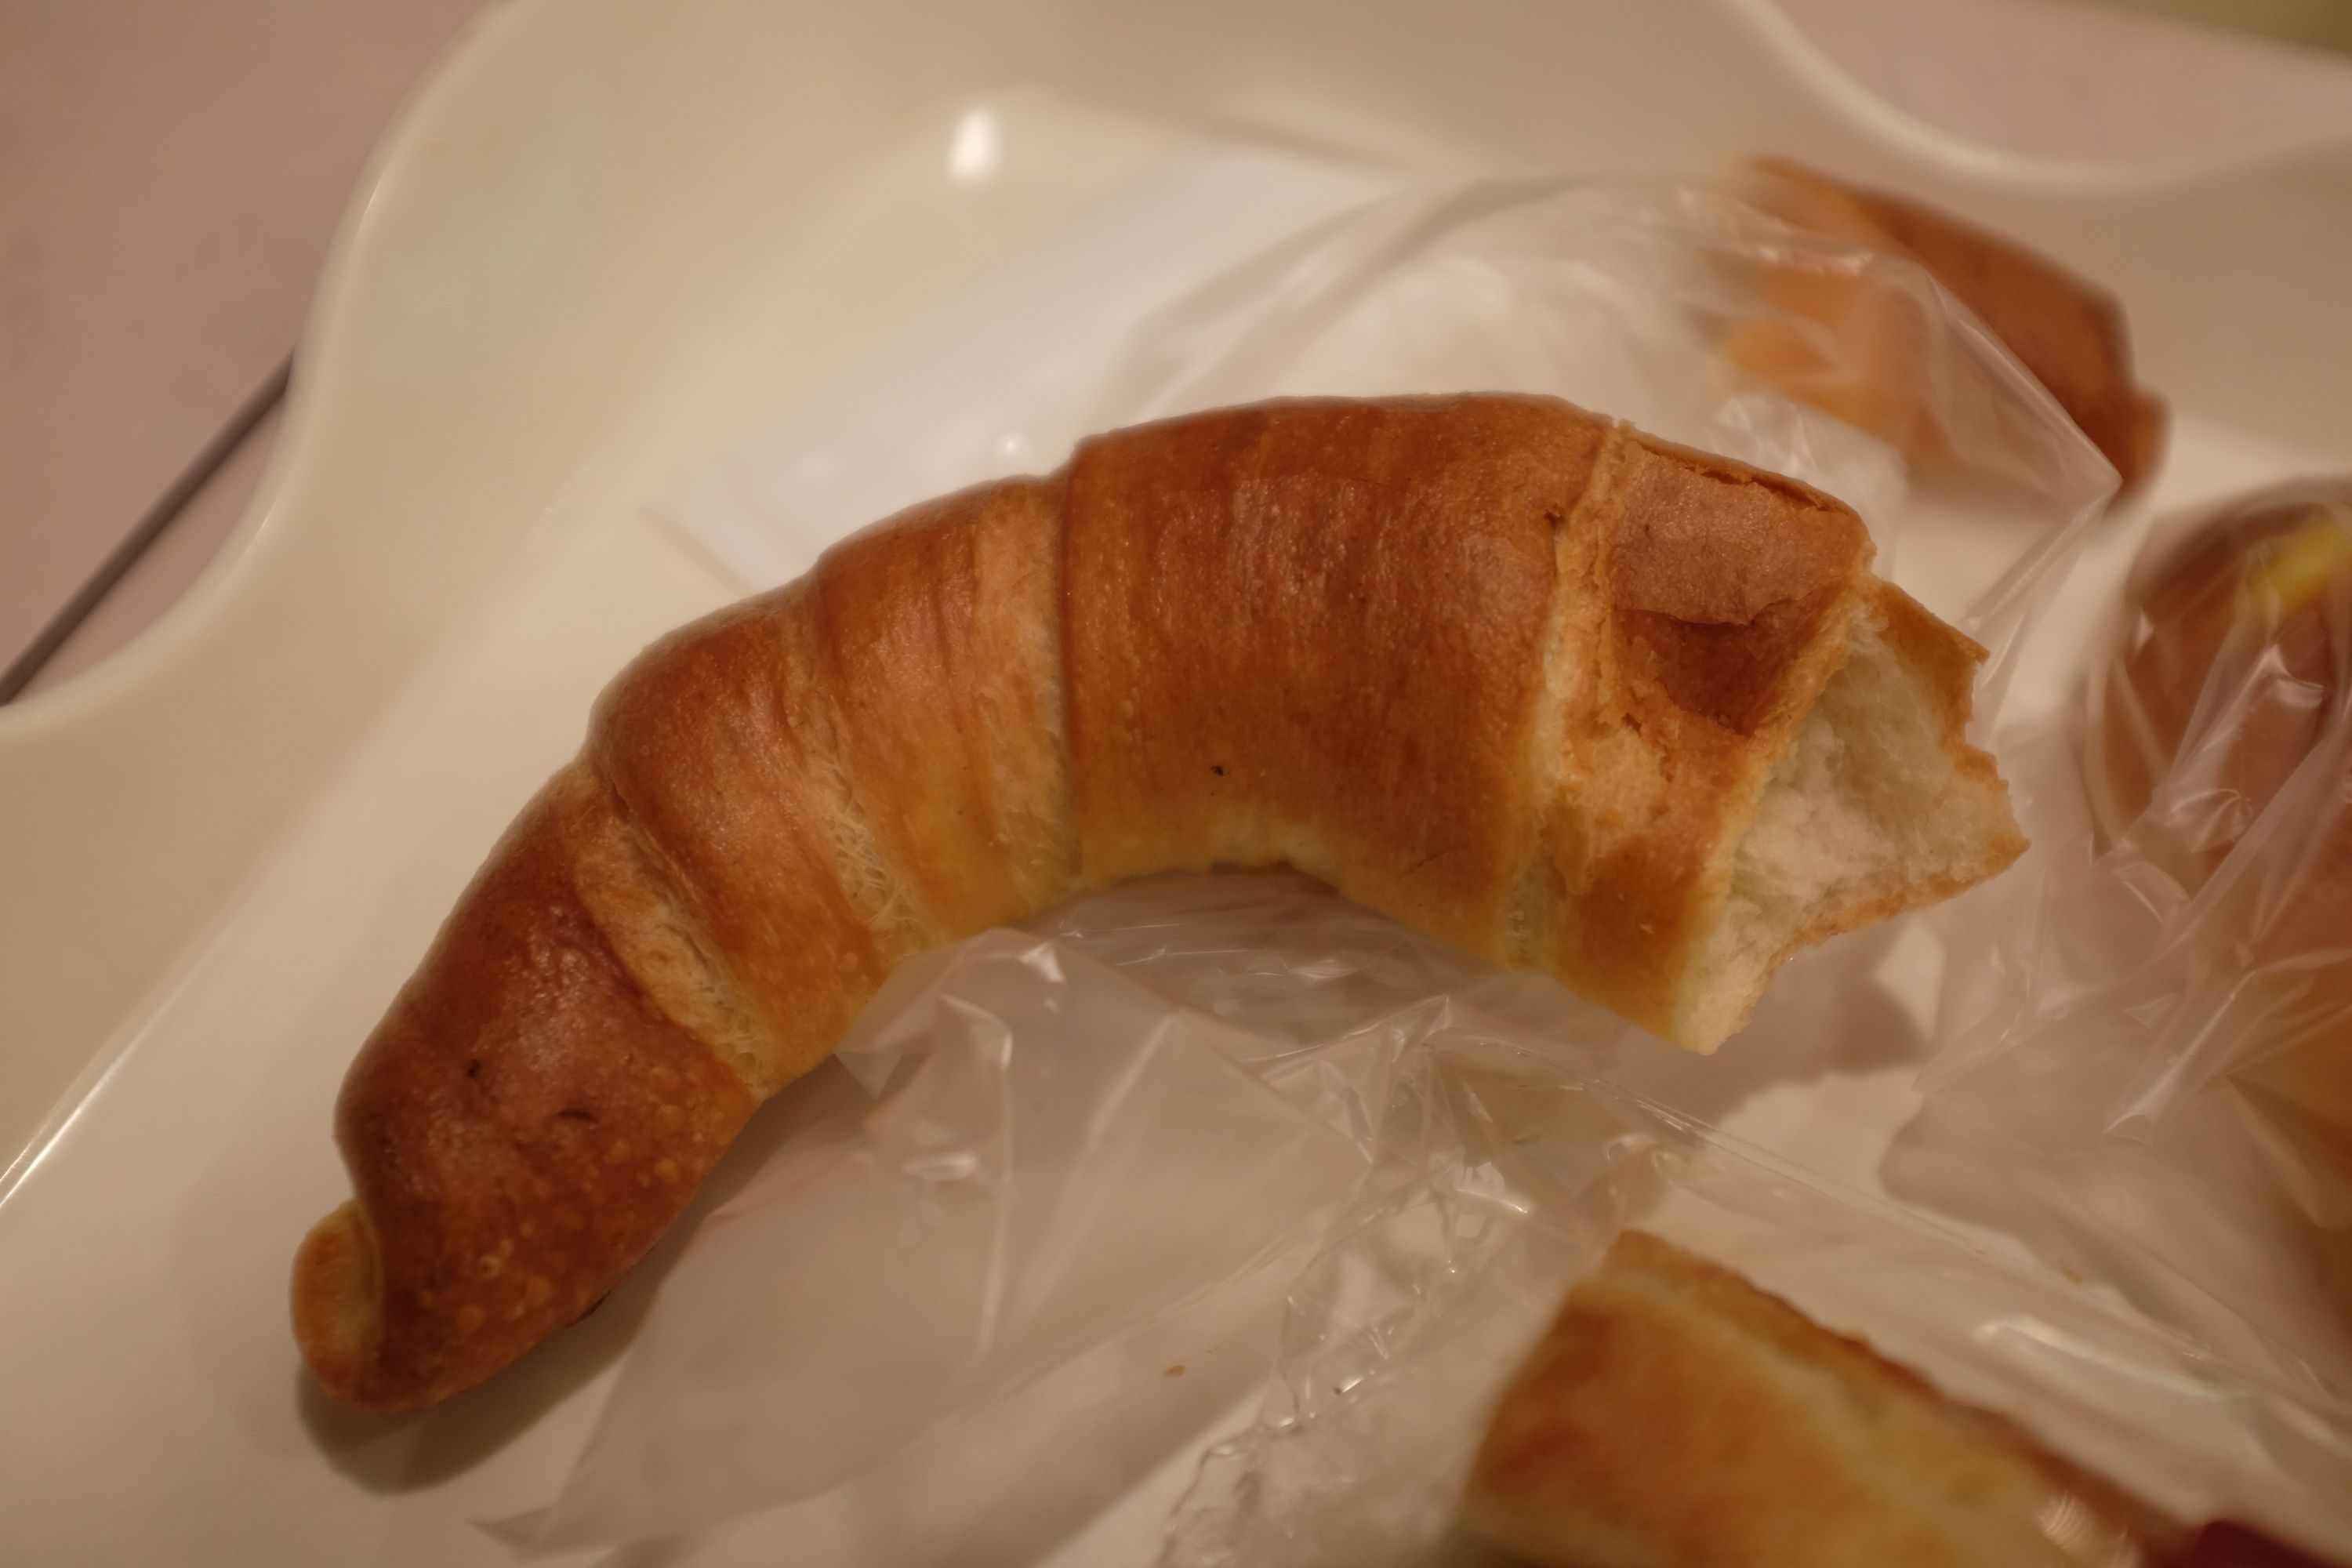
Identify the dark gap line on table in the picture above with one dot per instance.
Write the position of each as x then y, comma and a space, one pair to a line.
158, 518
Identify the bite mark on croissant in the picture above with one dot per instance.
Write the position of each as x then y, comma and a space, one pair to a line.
1567, 696
1838, 840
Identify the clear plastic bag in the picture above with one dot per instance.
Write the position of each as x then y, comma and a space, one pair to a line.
1078, 1132
2149, 1021
1177, 1095
1503, 1177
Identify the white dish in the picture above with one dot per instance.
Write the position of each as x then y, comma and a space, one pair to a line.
600, 237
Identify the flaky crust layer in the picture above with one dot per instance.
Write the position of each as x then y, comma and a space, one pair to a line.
1509, 672
1676, 1416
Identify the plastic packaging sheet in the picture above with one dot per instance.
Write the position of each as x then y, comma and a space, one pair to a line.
1502, 1176
2148, 1024
1079, 1130
1179, 1087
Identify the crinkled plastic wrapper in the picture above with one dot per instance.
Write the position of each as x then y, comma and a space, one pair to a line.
1503, 1175
1075, 1132
1182, 1095
1068, 1153
2148, 1023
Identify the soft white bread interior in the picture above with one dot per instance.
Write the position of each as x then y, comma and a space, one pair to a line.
1840, 838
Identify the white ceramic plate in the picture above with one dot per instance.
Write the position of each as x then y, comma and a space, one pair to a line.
601, 237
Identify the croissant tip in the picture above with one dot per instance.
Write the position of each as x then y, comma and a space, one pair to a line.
337, 1315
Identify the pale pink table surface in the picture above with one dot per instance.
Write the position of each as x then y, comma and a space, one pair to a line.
171, 173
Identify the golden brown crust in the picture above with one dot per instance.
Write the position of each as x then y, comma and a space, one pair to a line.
1722, 577
522, 1126
937, 641
1308, 632
1493, 664
1720, 593
1676, 1416
719, 744
2069, 332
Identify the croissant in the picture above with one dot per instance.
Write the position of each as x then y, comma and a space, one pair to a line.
1566, 696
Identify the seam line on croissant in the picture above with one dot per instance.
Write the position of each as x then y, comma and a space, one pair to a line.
877, 890
1050, 819
1534, 890
728, 1025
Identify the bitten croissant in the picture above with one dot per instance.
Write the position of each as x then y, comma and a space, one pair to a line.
1567, 696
